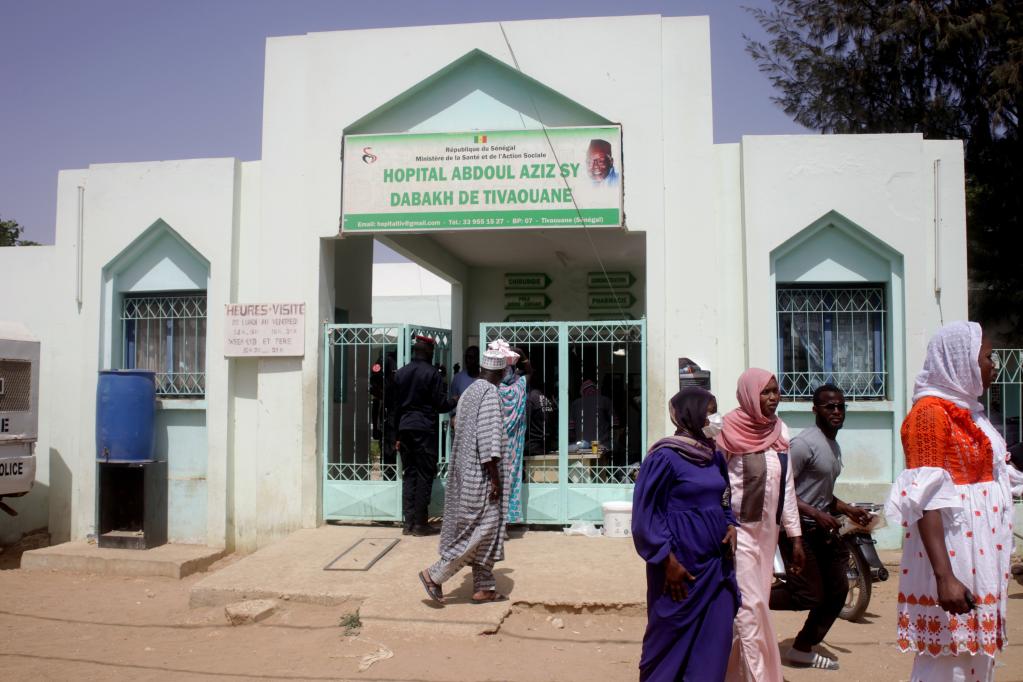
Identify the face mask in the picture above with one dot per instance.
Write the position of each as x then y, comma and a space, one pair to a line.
713, 428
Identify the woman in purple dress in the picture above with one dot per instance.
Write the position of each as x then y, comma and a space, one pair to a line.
683, 527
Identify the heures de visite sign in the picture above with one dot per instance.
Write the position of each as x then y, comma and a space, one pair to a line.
421, 182
264, 329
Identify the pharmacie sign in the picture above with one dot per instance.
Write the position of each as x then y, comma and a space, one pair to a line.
558, 177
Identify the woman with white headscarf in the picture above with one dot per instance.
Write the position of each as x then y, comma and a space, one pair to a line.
954, 504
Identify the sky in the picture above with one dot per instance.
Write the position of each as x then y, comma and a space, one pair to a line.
102, 81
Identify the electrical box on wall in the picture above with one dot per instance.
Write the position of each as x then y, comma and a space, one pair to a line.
690, 374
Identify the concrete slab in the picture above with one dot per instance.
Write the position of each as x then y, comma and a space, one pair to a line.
252, 611
171, 561
542, 568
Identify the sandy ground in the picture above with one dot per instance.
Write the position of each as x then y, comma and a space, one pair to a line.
57, 626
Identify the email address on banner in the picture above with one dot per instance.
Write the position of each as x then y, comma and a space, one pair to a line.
396, 224
495, 219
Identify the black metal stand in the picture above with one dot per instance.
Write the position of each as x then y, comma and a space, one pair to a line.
132, 504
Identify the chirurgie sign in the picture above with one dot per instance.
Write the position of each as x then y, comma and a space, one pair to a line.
423, 182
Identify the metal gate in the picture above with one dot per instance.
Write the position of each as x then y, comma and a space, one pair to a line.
1004, 400
361, 470
586, 417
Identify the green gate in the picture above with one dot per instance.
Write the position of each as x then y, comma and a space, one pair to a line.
361, 473
1004, 399
593, 376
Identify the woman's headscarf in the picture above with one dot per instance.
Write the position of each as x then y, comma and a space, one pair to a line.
952, 367
746, 429
688, 411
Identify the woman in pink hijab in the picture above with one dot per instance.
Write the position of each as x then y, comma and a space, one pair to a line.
756, 444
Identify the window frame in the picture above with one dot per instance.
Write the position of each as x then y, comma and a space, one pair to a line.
828, 301
166, 308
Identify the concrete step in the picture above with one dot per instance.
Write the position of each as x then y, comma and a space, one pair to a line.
543, 568
170, 561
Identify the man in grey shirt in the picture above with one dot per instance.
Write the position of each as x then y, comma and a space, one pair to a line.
821, 587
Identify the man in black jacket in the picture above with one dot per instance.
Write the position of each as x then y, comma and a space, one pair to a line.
421, 397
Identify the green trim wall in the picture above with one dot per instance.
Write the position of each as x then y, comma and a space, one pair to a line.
834, 250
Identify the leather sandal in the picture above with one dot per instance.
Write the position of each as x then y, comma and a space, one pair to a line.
432, 589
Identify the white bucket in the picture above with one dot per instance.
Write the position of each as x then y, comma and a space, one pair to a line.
617, 519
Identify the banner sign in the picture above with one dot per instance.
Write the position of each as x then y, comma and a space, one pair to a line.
610, 280
264, 329
526, 280
604, 300
423, 182
526, 301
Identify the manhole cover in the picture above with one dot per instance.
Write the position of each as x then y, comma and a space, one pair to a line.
362, 555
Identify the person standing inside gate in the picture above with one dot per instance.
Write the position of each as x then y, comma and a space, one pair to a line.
464, 378
473, 528
470, 373
421, 397
381, 389
821, 587
763, 498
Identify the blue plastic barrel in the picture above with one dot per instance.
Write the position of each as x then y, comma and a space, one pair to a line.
125, 413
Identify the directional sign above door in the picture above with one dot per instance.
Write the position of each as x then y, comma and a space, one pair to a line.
526, 301
606, 300
610, 280
526, 280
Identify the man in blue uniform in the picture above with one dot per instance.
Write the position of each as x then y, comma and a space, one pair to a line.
421, 397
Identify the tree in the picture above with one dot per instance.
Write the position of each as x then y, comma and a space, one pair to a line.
949, 69
10, 234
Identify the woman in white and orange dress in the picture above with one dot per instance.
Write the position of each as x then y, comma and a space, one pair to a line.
954, 503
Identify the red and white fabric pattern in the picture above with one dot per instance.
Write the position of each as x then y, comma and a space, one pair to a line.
978, 535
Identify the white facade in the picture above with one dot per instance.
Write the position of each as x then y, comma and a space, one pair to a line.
711, 231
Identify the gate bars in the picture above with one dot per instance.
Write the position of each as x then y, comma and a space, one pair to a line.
595, 374
361, 472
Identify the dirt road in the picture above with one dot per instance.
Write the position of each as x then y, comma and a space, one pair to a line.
63, 626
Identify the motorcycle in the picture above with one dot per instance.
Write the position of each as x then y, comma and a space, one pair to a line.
865, 566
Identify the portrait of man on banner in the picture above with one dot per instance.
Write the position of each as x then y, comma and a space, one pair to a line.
600, 164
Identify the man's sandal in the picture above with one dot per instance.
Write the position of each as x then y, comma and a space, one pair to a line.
432, 589
495, 598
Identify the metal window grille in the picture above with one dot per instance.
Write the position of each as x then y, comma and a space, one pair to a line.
15, 385
167, 334
603, 430
1004, 399
361, 431
832, 335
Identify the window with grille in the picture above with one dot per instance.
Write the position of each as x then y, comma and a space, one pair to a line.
166, 333
832, 335
15, 385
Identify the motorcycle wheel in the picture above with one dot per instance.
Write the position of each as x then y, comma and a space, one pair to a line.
858, 598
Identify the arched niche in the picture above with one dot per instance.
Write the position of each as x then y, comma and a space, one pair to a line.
158, 260
831, 253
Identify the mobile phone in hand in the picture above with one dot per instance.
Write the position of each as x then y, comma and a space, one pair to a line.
971, 601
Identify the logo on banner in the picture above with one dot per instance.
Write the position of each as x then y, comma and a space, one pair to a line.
368, 156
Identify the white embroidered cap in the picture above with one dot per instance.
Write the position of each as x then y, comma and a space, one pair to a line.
498, 355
